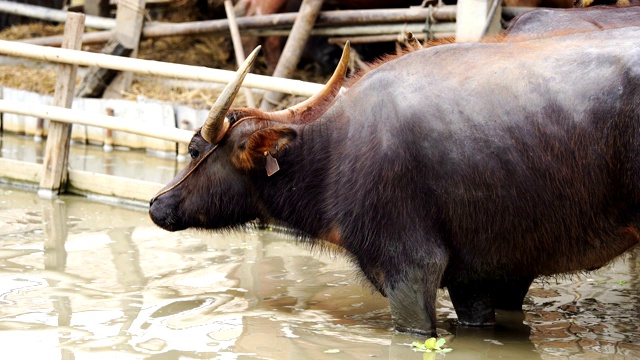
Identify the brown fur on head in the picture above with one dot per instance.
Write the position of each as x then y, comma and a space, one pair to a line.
251, 152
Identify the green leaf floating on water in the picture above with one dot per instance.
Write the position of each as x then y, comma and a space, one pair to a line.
431, 344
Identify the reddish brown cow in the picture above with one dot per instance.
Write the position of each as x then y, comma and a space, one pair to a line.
319, 51
587, 3
272, 45
539, 3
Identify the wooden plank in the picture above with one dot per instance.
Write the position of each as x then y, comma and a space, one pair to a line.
300, 32
15, 171
70, 116
90, 183
129, 22
59, 136
84, 183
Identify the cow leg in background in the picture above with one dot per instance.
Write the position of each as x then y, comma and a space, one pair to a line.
508, 294
472, 302
475, 301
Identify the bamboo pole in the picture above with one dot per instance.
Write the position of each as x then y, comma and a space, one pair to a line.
56, 156
48, 14
346, 30
300, 32
237, 46
155, 68
96, 37
366, 39
284, 22
71, 116
363, 30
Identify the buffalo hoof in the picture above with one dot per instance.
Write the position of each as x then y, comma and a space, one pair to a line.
404, 329
473, 305
475, 323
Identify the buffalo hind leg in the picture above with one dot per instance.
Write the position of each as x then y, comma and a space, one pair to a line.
472, 302
508, 294
475, 301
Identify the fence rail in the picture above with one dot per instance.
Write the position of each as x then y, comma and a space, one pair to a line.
154, 68
71, 116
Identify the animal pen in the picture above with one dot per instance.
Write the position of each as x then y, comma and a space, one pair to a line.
166, 128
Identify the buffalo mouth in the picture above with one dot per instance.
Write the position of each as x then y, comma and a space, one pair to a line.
166, 219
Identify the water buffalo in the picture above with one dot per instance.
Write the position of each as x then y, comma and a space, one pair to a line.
587, 3
472, 166
539, 23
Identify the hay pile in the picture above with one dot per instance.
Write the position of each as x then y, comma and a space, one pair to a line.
206, 50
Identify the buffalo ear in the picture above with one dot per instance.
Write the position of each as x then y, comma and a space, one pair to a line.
261, 143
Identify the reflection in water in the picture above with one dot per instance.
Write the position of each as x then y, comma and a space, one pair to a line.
590, 315
79, 279
54, 219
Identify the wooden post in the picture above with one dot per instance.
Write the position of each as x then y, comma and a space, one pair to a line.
97, 79
292, 51
129, 21
183, 149
471, 19
39, 133
56, 154
97, 8
108, 134
237, 46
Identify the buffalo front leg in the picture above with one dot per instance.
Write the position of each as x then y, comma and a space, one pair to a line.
412, 297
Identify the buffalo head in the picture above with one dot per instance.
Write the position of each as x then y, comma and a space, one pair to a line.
231, 157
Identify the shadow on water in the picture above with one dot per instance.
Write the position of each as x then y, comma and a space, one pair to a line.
80, 279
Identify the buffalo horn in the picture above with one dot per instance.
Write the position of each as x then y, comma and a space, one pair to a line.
312, 108
217, 124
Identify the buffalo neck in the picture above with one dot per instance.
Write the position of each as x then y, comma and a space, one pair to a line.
296, 195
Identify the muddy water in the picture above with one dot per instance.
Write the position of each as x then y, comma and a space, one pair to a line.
87, 280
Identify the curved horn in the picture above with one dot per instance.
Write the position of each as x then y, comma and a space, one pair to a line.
316, 105
216, 125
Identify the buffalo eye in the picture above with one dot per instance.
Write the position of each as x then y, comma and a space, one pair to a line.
194, 152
